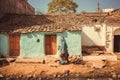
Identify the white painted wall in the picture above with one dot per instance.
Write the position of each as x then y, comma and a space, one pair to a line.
109, 38
105, 37
90, 37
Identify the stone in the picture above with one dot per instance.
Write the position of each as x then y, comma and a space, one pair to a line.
75, 59
67, 72
110, 79
30, 78
89, 64
99, 64
58, 75
39, 78
54, 75
43, 61
3, 62
114, 76
1, 75
96, 64
10, 60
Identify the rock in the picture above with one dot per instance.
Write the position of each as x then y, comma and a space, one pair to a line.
39, 78
77, 75
118, 77
10, 60
96, 64
58, 75
43, 61
113, 74
54, 75
76, 59
1, 75
30, 78
42, 73
99, 64
111, 79
67, 72
3, 62
89, 64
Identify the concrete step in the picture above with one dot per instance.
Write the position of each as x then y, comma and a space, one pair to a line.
100, 57
29, 60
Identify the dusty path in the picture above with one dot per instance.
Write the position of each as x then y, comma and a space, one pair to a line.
110, 70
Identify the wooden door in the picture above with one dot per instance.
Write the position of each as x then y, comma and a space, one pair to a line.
14, 45
117, 43
50, 44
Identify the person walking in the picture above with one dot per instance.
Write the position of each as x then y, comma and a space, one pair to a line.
63, 51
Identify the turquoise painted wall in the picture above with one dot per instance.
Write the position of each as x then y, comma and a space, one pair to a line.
73, 40
31, 48
4, 44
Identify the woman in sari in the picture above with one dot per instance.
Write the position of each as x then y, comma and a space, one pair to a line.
63, 51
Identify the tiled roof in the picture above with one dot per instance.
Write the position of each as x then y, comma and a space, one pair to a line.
52, 23
43, 23
114, 18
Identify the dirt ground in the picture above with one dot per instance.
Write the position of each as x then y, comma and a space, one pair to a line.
110, 71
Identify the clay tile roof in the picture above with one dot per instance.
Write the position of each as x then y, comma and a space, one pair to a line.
42, 23
114, 18
54, 23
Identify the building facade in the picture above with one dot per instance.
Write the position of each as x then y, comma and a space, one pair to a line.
38, 36
102, 32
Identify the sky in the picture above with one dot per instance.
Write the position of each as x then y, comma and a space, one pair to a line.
83, 5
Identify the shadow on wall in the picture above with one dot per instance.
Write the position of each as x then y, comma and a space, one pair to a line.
89, 46
86, 41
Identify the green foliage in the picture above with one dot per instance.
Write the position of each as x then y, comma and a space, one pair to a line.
62, 6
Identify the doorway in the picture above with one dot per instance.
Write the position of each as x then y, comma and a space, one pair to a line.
50, 44
14, 45
117, 43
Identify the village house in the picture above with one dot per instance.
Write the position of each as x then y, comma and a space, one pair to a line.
16, 7
103, 33
38, 36
32, 35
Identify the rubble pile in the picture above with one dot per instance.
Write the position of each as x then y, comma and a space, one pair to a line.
76, 59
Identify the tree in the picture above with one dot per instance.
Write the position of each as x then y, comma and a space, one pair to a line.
62, 6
